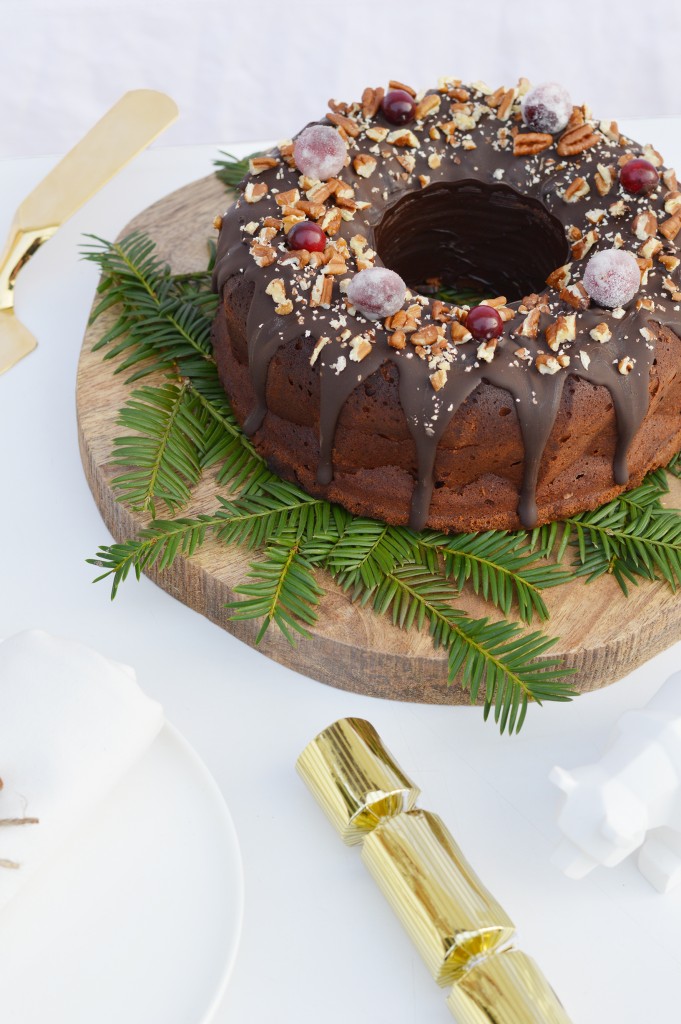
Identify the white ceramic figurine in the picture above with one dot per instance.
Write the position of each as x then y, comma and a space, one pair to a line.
631, 798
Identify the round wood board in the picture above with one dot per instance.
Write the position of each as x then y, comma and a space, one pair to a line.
603, 634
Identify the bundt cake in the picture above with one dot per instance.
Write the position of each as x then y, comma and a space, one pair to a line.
552, 391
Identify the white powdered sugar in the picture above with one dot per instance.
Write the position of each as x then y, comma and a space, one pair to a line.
377, 292
319, 152
612, 277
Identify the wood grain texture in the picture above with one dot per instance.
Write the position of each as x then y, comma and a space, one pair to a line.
603, 635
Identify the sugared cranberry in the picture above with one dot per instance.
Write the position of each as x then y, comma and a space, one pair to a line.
484, 323
546, 108
319, 152
639, 177
306, 235
612, 277
376, 292
398, 106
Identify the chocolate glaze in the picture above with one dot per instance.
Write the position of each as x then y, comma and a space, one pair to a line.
485, 214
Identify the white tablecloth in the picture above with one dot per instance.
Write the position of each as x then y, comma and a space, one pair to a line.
319, 942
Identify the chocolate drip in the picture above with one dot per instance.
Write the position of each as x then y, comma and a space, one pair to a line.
468, 222
336, 388
428, 416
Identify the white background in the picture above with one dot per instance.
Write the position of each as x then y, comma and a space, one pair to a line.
263, 68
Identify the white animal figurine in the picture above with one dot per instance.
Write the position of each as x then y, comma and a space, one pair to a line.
631, 798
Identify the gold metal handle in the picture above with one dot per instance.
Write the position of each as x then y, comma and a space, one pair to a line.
131, 124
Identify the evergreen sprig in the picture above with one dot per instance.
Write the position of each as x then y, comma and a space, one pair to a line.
231, 169
180, 424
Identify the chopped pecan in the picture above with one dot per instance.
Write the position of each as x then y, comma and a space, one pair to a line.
322, 290
644, 265
650, 247
672, 202
398, 339
288, 198
403, 137
669, 262
559, 277
264, 255
644, 224
604, 178
530, 325
486, 350
581, 248
426, 336
459, 332
670, 285
360, 347
610, 130
255, 191
439, 378
258, 164
577, 189
576, 295
365, 165
546, 363
669, 179
428, 105
561, 331
626, 365
671, 227
601, 332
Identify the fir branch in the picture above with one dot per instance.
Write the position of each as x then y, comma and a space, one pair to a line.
282, 590
231, 169
366, 550
156, 546
159, 324
163, 457
631, 538
499, 566
498, 658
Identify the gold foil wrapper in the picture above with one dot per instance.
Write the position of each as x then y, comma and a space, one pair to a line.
508, 988
446, 910
355, 778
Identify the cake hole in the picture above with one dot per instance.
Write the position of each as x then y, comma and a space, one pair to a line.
471, 235
505, 411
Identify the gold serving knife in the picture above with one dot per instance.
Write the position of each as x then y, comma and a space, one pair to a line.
128, 128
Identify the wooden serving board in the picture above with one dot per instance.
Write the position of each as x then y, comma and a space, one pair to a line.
603, 635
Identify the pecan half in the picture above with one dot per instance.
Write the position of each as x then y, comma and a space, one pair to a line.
371, 101
529, 143
575, 140
346, 123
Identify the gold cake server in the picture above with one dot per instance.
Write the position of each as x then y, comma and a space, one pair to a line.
124, 131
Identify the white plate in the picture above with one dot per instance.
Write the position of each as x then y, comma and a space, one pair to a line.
138, 921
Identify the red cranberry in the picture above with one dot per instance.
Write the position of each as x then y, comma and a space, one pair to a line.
398, 106
639, 177
307, 235
484, 323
